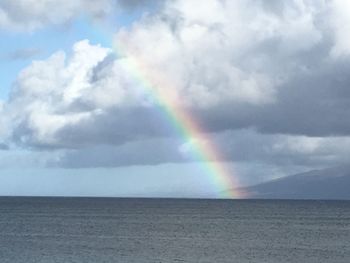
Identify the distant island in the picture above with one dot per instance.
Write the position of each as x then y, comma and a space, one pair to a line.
326, 184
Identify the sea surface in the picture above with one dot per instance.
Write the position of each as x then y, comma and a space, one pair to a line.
173, 230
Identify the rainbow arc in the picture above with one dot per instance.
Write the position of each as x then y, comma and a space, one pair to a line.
202, 146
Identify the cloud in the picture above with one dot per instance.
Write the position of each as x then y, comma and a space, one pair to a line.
248, 63
283, 150
25, 53
133, 153
44, 93
29, 15
4, 123
314, 102
200, 58
340, 21
268, 80
24, 159
238, 147
4, 146
136, 4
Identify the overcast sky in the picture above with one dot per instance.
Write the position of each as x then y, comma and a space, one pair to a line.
267, 80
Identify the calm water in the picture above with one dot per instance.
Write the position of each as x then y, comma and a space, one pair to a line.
160, 230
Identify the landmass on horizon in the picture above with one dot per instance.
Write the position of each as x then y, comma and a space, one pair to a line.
326, 184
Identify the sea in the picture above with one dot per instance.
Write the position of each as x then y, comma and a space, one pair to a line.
173, 230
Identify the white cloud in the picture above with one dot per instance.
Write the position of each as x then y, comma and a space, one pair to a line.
45, 91
211, 52
57, 100
340, 22
326, 149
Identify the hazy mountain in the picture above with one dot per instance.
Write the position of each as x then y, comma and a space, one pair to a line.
332, 183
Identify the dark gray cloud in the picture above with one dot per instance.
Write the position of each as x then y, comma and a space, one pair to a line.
142, 152
239, 147
314, 101
126, 125
312, 104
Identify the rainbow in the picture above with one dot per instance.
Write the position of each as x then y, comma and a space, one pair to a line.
202, 148
186, 126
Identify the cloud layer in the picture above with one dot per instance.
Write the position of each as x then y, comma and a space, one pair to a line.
267, 79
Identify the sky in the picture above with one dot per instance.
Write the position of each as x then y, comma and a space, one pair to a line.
170, 98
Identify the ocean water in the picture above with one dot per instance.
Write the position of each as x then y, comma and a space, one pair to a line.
173, 230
